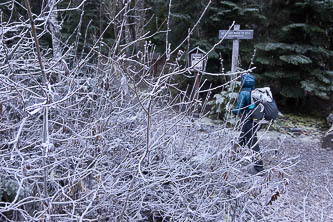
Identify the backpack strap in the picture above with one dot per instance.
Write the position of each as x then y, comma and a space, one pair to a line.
252, 102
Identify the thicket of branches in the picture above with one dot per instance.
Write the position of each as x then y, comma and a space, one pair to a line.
91, 136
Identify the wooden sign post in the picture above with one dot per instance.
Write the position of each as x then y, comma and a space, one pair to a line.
236, 35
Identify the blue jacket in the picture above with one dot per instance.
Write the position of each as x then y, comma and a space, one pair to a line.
244, 99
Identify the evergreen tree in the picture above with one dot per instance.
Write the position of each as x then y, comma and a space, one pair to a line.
298, 53
247, 14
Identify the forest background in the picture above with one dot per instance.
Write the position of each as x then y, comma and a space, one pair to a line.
292, 44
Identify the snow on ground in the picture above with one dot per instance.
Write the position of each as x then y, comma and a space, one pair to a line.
310, 187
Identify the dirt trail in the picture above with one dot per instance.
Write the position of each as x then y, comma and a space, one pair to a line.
310, 191
310, 188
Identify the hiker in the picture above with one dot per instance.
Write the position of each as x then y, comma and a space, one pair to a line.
249, 129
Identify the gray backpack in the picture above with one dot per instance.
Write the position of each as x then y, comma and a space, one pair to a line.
265, 106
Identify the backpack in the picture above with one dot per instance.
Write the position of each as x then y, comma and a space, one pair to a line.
265, 106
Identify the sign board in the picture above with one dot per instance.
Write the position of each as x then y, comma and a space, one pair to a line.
197, 59
236, 34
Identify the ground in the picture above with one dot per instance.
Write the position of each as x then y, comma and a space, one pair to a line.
310, 189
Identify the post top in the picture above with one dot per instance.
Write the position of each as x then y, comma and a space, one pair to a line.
196, 50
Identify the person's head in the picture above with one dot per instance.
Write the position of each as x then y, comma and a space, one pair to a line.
248, 81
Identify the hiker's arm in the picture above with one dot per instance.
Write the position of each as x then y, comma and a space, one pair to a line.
240, 103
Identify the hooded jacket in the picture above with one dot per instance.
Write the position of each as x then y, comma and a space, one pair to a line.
244, 99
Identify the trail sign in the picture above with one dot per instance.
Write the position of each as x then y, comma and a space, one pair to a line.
236, 34
197, 59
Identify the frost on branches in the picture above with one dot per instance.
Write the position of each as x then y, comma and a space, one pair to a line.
89, 136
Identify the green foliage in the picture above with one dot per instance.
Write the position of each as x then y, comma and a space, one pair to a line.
290, 91
321, 85
296, 59
299, 53
282, 75
230, 5
315, 88
263, 60
304, 27
223, 102
9, 190
280, 46
322, 76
